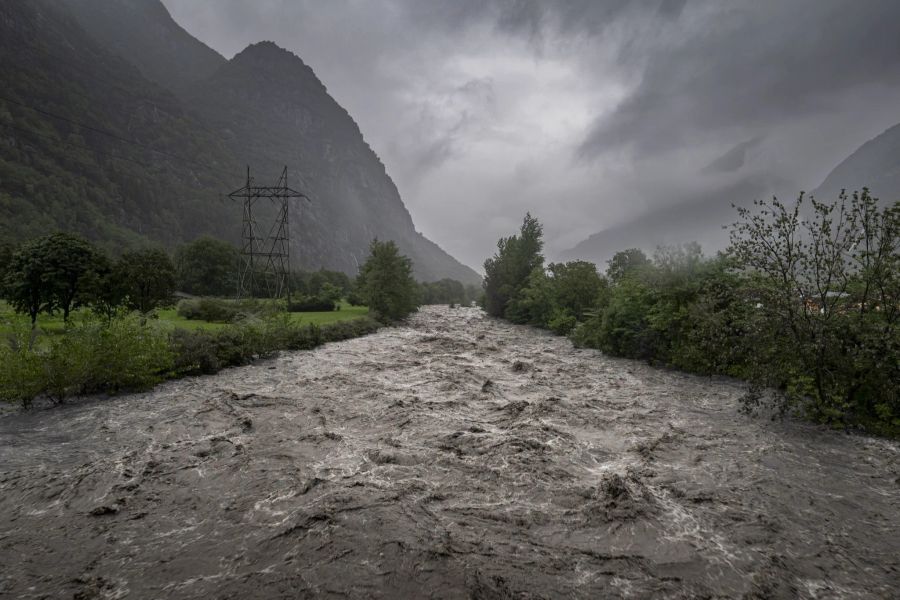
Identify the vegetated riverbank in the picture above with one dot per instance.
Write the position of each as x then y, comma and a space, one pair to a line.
455, 457
134, 353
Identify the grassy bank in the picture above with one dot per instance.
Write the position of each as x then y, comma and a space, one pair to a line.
53, 324
134, 352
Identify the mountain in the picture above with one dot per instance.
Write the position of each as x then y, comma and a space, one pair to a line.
88, 144
116, 123
145, 33
272, 110
875, 164
700, 219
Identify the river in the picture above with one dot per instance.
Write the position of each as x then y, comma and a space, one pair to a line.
454, 457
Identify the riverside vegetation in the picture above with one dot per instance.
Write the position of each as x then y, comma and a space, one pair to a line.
804, 305
118, 334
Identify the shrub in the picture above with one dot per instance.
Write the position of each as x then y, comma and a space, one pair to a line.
194, 353
311, 304
217, 310
562, 322
127, 354
22, 374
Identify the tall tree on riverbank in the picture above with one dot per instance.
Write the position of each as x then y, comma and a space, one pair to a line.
207, 267
827, 282
386, 283
48, 274
149, 278
507, 272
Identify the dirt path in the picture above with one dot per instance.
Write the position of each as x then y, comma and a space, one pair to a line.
458, 457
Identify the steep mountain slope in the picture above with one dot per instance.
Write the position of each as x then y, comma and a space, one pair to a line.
875, 164
96, 136
273, 111
87, 144
145, 33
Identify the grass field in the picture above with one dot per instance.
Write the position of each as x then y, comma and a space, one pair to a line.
53, 324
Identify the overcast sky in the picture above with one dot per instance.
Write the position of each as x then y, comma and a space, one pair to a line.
588, 113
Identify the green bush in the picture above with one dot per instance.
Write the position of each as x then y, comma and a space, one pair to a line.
22, 374
128, 353
311, 304
218, 310
125, 354
194, 353
562, 322
208, 309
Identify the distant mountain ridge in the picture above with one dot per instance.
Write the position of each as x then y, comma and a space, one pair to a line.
184, 123
875, 164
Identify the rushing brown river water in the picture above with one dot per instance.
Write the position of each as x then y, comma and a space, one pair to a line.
456, 457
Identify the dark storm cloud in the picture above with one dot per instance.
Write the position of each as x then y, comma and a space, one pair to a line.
756, 65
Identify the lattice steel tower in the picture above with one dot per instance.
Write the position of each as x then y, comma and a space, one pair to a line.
265, 263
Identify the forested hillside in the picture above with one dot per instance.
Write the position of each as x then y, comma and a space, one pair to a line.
117, 124
89, 145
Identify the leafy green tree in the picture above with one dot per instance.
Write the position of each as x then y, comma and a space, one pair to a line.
626, 263
386, 283
535, 303
6, 253
207, 267
148, 277
24, 285
577, 285
444, 291
828, 293
329, 293
49, 273
104, 289
507, 272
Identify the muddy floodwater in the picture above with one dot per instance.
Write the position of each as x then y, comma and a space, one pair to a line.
455, 457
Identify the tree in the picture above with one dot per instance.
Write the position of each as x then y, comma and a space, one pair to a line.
386, 283
828, 292
626, 263
207, 267
104, 289
6, 253
577, 285
444, 291
24, 285
49, 273
507, 272
148, 277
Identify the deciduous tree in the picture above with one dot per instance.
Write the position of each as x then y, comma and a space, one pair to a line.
386, 282
148, 277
